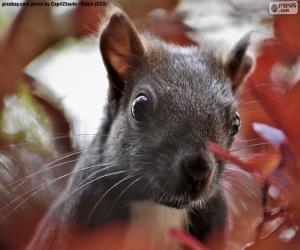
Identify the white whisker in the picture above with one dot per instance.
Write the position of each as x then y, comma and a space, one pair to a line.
123, 192
103, 196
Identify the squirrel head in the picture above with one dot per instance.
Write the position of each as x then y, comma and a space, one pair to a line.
165, 104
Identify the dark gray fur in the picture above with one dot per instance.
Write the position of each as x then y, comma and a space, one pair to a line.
193, 104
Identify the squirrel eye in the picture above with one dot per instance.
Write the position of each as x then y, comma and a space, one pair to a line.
236, 124
141, 107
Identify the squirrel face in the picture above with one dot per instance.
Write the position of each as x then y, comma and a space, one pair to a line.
166, 103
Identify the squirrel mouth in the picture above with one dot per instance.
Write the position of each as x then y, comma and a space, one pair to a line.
181, 200
186, 194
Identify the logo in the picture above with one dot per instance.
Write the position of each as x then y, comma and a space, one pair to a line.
283, 8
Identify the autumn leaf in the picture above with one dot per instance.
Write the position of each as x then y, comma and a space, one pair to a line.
287, 30
187, 240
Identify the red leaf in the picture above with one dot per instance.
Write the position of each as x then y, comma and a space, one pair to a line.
264, 164
168, 26
139, 8
271, 52
227, 155
87, 19
287, 30
271, 100
187, 240
291, 118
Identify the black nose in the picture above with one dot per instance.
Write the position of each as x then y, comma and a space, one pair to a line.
196, 168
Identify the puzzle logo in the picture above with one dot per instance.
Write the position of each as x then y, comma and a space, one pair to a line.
283, 8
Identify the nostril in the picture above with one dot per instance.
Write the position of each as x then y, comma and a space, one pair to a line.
196, 175
196, 169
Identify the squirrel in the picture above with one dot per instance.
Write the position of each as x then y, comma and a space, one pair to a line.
152, 164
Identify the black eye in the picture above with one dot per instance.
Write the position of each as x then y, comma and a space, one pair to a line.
141, 108
236, 124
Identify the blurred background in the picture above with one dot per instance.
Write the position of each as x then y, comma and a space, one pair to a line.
53, 89
76, 62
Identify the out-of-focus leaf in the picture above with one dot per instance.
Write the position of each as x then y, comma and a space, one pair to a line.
262, 165
60, 125
243, 193
272, 135
271, 52
272, 242
24, 120
187, 240
168, 26
287, 30
139, 8
24, 41
118, 236
265, 164
282, 107
87, 19
251, 109
30, 124
271, 100
287, 167
291, 117
227, 155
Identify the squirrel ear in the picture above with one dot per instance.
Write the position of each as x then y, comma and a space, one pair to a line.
120, 45
238, 64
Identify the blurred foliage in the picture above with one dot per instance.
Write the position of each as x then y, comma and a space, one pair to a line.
275, 96
23, 119
34, 129
270, 100
5, 18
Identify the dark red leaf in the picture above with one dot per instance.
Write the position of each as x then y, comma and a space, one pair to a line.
168, 26
271, 100
139, 8
88, 19
291, 117
227, 155
271, 53
287, 30
187, 240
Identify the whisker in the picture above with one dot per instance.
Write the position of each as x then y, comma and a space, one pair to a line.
72, 135
94, 173
245, 90
247, 102
103, 196
121, 194
228, 169
45, 167
247, 140
93, 180
48, 183
250, 146
250, 154
49, 167
235, 198
253, 111
27, 178
240, 186
148, 183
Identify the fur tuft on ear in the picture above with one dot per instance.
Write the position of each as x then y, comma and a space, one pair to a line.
120, 45
238, 64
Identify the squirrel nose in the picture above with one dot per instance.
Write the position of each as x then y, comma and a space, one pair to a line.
196, 168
